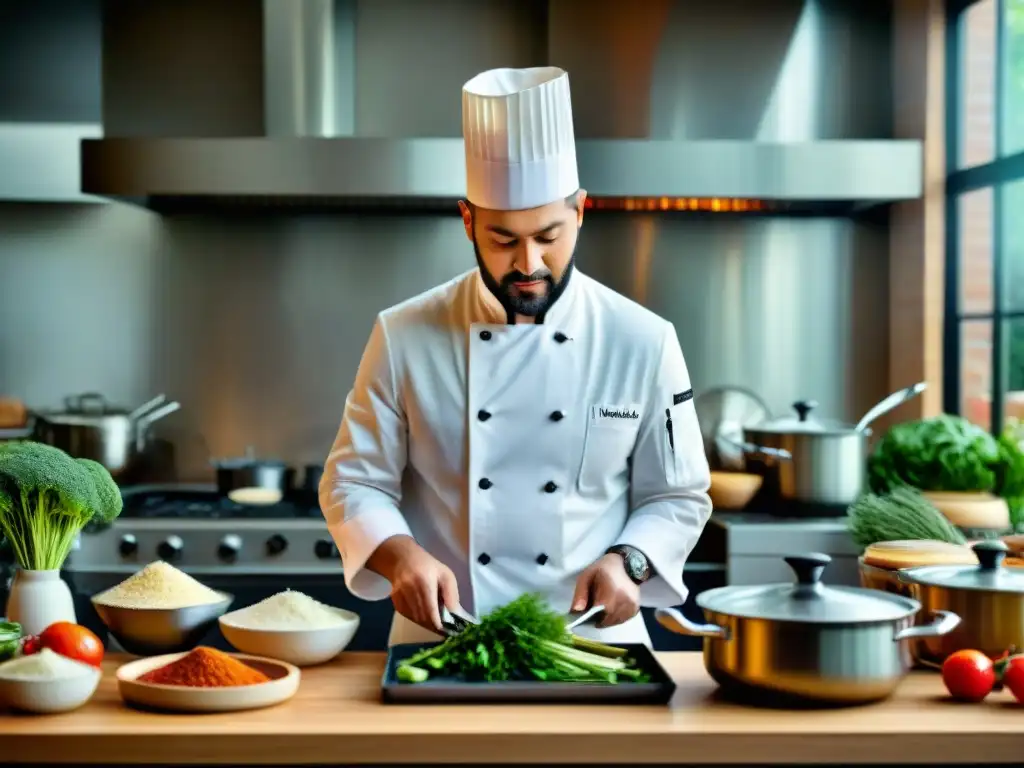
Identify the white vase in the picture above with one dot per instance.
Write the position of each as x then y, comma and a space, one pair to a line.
39, 599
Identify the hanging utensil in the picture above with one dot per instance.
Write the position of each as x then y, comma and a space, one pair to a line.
722, 413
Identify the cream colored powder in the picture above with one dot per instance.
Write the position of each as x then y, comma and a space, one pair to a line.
44, 665
158, 585
287, 610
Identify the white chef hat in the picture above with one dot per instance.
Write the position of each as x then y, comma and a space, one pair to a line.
520, 150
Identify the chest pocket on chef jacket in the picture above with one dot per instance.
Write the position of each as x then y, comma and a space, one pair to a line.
611, 436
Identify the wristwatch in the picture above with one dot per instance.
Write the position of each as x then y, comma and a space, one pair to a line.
637, 566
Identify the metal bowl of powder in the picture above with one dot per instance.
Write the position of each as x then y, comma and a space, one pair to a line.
160, 610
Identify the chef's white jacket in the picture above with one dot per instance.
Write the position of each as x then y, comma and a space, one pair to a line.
517, 454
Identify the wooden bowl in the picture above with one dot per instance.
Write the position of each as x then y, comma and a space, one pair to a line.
733, 490
971, 511
284, 682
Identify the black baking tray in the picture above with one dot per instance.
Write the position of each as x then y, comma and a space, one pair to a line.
456, 691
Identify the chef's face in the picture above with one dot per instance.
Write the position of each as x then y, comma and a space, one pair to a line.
524, 256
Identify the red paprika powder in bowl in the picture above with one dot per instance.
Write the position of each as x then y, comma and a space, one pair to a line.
207, 680
205, 668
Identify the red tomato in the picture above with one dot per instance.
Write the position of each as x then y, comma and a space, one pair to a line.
969, 675
1013, 677
74, 641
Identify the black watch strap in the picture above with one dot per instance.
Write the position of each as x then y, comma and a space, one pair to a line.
638, 567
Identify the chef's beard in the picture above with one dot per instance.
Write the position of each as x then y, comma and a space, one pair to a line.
528, 304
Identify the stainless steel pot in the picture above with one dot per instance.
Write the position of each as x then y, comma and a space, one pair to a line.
253, 481
90, 428
815, 461
804, 642
989, 597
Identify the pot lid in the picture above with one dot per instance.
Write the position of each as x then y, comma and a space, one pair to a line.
807, 600
86, 409
803, 422
989, 575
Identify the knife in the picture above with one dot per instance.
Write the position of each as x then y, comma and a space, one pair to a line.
454, 621
576, 619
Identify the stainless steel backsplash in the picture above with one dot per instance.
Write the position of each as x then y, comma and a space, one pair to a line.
257, 324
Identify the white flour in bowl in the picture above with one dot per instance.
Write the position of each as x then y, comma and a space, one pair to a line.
44, 665
287, 610
158, 585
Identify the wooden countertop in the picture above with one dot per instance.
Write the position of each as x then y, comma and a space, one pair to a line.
337, 718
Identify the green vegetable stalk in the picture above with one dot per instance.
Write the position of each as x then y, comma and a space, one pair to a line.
46, 498
902, 514
521, 640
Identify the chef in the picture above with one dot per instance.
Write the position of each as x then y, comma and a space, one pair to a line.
521, 428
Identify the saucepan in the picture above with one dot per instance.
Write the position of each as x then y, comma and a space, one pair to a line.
252, 481
806, 643
988, 595
814, 461
89, 427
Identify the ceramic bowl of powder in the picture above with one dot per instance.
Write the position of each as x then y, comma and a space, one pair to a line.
160, 610
46, 683
290, 626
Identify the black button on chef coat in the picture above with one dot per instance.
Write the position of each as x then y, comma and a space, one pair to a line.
485, 483
485, 335
561, 337
550, 486
483, 415
542, 558
556, 416
484, 558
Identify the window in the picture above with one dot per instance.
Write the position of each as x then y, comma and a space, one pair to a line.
984, 339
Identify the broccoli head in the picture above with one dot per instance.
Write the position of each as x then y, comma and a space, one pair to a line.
47, 497
108, 495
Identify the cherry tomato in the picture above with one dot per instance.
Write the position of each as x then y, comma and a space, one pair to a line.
30, 645
1013, 677
74, 641
969, 675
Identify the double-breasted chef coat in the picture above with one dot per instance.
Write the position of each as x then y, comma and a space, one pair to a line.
517, 454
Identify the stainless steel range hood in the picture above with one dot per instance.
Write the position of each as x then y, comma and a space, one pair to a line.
307, 153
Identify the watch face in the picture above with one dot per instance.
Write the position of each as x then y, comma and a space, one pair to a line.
635, 566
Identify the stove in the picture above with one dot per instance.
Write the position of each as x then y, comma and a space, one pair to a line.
199, 531
249, 552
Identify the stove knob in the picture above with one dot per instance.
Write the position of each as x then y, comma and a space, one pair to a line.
129, 545
229, 547
170, 548
325, 549
276, 544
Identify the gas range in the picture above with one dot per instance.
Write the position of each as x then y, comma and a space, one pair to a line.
198, 530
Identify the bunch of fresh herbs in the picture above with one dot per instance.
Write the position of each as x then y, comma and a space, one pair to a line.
523, 640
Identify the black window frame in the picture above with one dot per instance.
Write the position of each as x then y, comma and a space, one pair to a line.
993, 175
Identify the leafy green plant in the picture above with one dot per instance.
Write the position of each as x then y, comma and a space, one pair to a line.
46, 498
949, 453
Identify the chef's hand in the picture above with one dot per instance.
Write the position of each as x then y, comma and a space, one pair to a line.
420, 583
606, 583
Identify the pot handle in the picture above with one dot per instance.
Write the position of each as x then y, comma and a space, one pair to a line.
674, 621
777, 453
143, 423
943, 623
